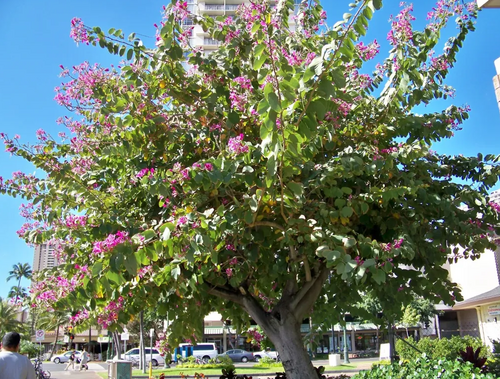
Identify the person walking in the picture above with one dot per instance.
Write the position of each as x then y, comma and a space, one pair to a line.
84, 358
12, 364
71, 361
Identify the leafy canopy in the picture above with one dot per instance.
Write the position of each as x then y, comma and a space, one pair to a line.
274, 172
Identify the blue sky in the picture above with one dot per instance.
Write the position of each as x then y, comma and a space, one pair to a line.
35, 41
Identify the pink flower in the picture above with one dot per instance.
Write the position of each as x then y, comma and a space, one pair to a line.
78, 31
235, 145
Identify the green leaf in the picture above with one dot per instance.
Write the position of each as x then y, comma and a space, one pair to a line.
96, 269
364, 208
259, 61
378, 276
296, 188
274, 102
131, 264
346, 212
377, 4
115, 277
271, 171
349, 242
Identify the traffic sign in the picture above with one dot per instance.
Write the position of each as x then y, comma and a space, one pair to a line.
40, 335
125, 336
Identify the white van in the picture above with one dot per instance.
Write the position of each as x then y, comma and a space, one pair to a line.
204, 350
134, 356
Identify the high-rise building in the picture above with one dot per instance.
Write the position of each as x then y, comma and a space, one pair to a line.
44, 257
215, 8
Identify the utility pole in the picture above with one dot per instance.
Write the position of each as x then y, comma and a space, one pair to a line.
346, 346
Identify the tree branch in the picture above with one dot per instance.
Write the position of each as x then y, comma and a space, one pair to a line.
225, 293
267, 223
308, 294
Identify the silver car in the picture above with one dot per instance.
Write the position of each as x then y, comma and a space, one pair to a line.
64, 358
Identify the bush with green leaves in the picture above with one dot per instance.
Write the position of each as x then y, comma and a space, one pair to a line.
268, 362
425, 368
493, 362
444, 348
30, 349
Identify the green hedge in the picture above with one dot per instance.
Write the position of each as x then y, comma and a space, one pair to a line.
445, 348
425, 368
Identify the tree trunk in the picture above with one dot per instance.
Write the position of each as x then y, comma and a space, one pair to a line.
286, 337
55, 342
141, 344
118, 349
282, 323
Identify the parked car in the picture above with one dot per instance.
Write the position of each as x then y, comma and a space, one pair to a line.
64, 358
204, 350
238, 355
134, 356
266, 353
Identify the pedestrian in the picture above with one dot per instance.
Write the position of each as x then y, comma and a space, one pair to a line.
71, 361
83, 360
12, 364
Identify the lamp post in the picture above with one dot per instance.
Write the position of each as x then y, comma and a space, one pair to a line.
346, 347
151, 334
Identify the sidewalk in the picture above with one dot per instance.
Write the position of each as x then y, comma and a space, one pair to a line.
75, 374
94, 367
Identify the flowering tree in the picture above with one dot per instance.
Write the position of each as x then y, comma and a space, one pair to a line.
271, 176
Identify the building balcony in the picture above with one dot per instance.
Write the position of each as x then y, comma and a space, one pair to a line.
218, 8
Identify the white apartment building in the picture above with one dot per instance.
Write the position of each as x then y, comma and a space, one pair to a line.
44, 257
215, 8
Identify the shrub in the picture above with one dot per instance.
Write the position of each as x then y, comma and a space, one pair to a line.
445, 348
493, 363
266, 362
30, 349
425, 368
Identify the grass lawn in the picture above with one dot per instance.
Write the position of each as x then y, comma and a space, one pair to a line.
217, 371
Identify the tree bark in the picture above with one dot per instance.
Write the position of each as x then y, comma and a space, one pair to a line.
282, 323
55, 342
286, 337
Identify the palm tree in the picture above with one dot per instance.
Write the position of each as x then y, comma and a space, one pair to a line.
8, 317
52, 320
19, 271
18, 293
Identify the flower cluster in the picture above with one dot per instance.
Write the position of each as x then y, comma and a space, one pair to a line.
146, 171
109, 314
235, 145
368, 52
239, 93
55, 288
254, 337
401, 31
395, 245
110, 242
79, 317
78, 31
81, 89
75, 222
162, 344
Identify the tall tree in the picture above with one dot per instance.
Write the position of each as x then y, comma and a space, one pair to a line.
18, 272
17, 293
271, 177
8, 318
52, 320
